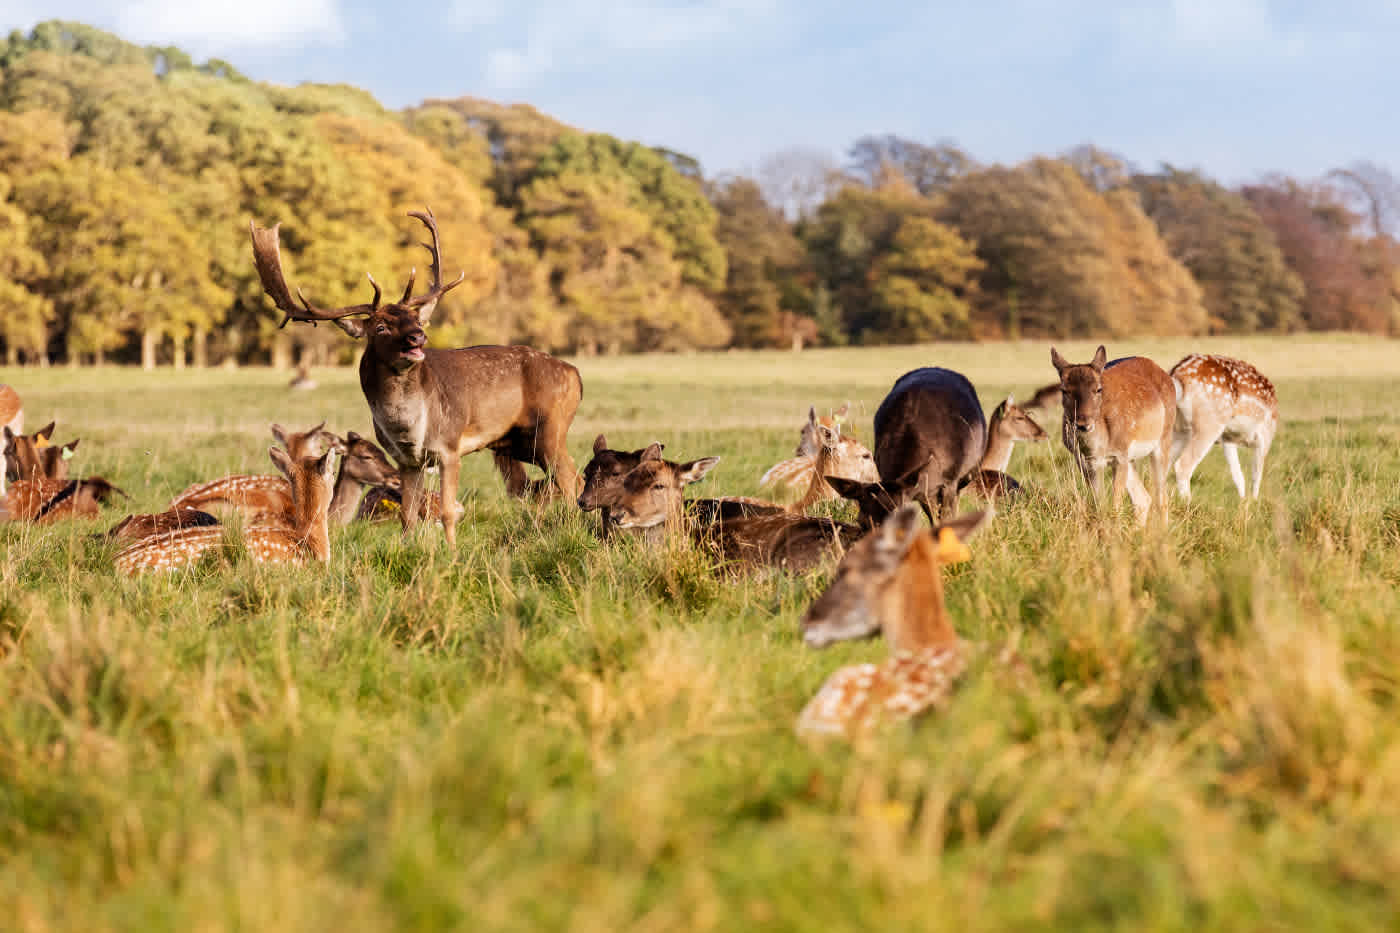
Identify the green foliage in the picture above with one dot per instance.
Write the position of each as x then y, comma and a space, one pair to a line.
764, 298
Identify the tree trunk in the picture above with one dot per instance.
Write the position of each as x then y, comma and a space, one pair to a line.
281, 351
177, 358
149, 341
199, 348
11, 354
99, 357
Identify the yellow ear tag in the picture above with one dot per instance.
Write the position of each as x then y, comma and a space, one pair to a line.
951, 550
41, 441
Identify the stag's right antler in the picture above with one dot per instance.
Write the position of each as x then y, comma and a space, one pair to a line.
267, 256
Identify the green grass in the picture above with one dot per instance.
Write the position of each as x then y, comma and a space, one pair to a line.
538, 731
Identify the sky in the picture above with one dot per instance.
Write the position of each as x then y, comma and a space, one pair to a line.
1237, 88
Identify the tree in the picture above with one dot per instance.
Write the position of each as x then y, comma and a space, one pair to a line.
927, 168
763, 297
797, 180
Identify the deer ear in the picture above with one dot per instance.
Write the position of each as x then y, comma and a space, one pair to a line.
325, 463
1010, 400
1100, 359
352, 437
653, 452
830, 437
425, 313
1059, 362
600, 444
839, 415
851, 489
279, 433
69, 447
282, 460
695, 470
46, 431
812, 416
967, 524
9, 435
352, 326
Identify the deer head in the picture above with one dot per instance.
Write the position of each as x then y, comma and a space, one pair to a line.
312, 480
365, 463
653, 492
1012, 423
34, 456
309, 443
1081, 389
396, 330
602, 477
890, 581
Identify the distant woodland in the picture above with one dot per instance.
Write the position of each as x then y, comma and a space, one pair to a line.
128, 176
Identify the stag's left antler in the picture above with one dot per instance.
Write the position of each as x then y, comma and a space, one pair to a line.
434, 249
267, 256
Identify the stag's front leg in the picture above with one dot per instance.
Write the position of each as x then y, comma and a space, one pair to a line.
451, 510
410, 496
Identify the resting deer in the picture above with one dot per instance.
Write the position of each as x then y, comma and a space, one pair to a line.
303, 380
362, 464
824, 449
35, 456
746, 531
12, 418
257, 494
136, 527
1226, 400
1115, 413
929, 433
436, 406
43, 501
1007, 425
308, 538
891, 582
602, 477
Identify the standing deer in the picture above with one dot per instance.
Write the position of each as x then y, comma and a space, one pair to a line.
1007, 425
1115, 413
435, 406
308, 537
1226, 400
891, 582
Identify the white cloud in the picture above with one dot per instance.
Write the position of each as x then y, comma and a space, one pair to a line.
204, 25
561, 35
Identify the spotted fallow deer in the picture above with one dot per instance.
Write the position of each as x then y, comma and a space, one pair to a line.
1115, 413
889, 582
308, 537
1007, 425
257, 495
435, 406
1226, 400
743, 532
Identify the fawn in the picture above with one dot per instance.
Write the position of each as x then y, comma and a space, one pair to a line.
1226, 400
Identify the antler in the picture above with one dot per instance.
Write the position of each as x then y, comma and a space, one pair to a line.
267, 256
435, 250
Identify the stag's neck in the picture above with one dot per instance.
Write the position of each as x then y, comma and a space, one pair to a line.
998, 455
916, 618
346, 498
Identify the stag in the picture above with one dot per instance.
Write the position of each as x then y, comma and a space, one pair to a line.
432, 407
1115, 413
1225, 400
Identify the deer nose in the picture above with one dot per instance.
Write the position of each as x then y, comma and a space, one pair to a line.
1084, 426
417, 339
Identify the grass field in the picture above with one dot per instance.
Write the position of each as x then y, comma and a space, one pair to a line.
538, 731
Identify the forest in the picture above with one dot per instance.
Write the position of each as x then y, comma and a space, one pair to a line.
129, 174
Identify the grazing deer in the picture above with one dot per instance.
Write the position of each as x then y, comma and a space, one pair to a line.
1007, 425
136, 527
43, 501
1226, 400
307, 538
891, 582
35, 456
746, 531
258, 494
1115, 413
436, 406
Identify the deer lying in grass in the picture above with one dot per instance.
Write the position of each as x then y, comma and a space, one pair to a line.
435, 406
35, 456
745, 531
362, 465
257, 494
12, 420
136, 527
41, 491
891, 581
824, 449
1115, 413
1225, 400
602, 477
308, 538
1007, 425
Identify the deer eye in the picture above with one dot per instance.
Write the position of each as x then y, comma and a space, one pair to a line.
658, 486
1098, 390
382, 329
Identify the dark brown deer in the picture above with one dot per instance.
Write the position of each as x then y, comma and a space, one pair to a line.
1115, 413
1226, 400
745, 532
1007, 425
362, 465
889, 582
602, 477
35, 456
435, 406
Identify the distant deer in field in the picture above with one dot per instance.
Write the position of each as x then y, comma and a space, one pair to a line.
1226, 400
889, 582
930, 433
302, 381
308, 537
825, 449
1007, 425
257, 494
435, 406
1115, 413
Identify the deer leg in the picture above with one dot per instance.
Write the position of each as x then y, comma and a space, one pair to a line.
554, 452
1125, 477
1260, 453
411, 495
1161, 465
451, 509
512, 471
1232, 457
1091, 476
1195, 451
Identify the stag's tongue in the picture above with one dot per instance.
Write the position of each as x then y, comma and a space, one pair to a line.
415, 354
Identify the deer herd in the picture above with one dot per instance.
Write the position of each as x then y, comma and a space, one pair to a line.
932, 444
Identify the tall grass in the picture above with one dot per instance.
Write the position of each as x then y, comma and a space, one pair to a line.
540, 731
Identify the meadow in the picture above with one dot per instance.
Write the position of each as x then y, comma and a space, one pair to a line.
538, 731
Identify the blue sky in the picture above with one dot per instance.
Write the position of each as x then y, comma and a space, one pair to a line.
1235, 87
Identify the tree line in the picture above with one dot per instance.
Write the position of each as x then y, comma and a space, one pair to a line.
128, 175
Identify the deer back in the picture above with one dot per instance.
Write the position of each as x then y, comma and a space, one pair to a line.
1219, 393
929, 425
240, 492
136, 527
796, 543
